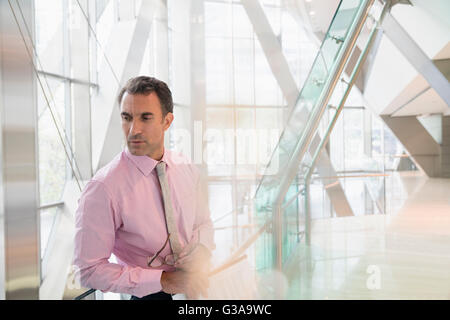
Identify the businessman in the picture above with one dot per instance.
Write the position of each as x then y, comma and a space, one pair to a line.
147, 207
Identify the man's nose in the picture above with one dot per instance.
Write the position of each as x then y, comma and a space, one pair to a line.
135, 128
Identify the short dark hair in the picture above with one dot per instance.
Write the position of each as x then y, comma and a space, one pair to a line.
146, 85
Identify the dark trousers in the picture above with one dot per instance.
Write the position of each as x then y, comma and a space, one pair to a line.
154, 296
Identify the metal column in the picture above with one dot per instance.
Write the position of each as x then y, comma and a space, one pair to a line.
19, 191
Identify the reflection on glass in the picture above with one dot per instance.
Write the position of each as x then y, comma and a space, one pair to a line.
305, 110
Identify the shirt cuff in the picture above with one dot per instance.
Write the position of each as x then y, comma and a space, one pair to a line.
149, 282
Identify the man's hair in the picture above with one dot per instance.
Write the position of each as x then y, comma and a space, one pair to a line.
146, 85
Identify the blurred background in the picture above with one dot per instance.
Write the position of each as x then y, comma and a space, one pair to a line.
323, 127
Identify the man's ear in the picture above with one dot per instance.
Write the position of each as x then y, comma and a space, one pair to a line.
168, 119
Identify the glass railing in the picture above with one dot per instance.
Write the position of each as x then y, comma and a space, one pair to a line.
310, 98
364, 188
281, 195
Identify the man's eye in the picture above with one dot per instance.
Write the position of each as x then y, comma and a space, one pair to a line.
147, 118
126, 118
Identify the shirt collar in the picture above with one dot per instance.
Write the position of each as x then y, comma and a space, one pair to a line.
145, 164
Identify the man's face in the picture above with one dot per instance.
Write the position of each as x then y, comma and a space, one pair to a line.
143, 124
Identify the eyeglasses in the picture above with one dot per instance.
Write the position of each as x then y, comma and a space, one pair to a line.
156, 261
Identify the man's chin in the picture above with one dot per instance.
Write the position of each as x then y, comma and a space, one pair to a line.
136, 151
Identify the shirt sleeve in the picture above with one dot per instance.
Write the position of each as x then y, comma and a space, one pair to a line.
97, 219
203, 226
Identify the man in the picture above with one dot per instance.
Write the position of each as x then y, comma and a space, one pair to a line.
147, 207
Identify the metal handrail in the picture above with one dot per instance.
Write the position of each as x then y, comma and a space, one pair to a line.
51, 205
288, 203
85, 294
367, 175
326, 136
312, 125
227, 214
305, 140
244, 226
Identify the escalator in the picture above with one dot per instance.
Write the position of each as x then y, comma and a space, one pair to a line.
282, 197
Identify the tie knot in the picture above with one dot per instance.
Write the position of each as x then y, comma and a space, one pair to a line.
161, 168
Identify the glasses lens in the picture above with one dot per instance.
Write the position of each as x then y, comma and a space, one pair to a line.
170, 260
155, 262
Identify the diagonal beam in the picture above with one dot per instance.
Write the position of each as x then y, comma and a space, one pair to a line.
280, 69
298, 12
135, 53
272, 50
421, 146
417, 57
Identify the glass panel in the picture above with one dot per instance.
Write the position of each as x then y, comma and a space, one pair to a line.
337, 141
320, 204
221, 203
104, 26
376, 192
179, 135
377, 137
246, 142
310, 94
305, 111
244, 72
219, 141
264, 248
221, 207
268, 121
392, 148
242, 28
50, 35
298, 48
354, 136
47, 217
293, 208
52, 158
267, 92
218, 21
218, 60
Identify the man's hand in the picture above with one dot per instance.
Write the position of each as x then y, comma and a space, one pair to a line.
194, 258
192, 284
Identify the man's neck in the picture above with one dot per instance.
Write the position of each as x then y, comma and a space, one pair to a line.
157, 154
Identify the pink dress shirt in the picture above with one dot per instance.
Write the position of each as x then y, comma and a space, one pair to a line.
121, 212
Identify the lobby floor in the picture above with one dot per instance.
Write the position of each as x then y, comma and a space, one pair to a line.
402, 255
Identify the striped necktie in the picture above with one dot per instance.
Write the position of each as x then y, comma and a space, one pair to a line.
170, 219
